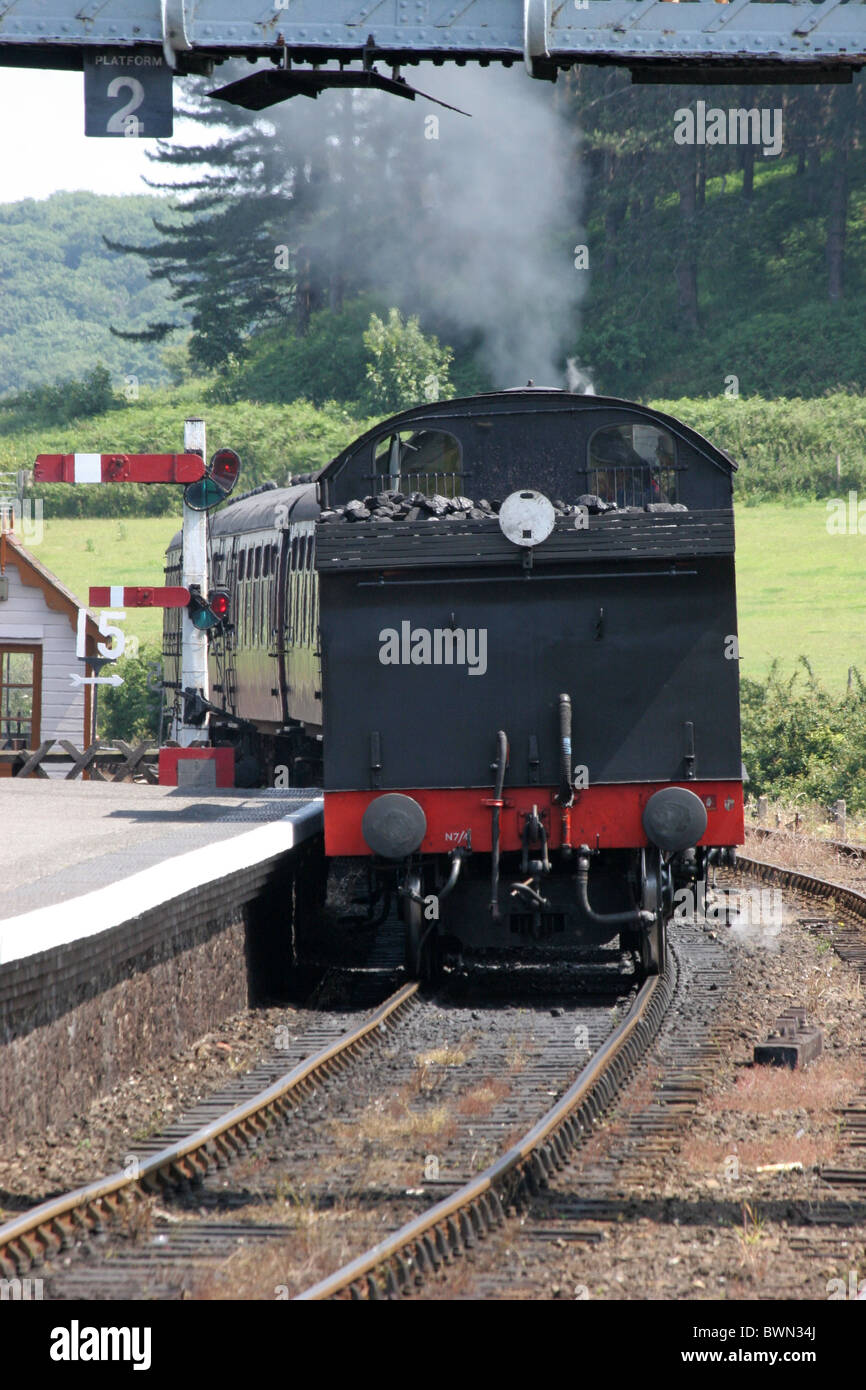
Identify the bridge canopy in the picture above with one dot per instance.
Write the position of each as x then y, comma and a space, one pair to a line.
661, 40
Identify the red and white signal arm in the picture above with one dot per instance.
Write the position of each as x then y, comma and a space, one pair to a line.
118, 468
138, 596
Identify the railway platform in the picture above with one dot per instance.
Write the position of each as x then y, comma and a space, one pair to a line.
78, 858
133, 918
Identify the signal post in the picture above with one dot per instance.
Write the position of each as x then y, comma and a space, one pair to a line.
194, 669
205, 486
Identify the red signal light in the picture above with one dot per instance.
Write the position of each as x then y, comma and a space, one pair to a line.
208, 614
224, 469
218, 602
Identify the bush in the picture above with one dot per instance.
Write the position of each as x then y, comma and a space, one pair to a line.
404, 367
802, 743
131, 711
784, 447
326, 364
63, 401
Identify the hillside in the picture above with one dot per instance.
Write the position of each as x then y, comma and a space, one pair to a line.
61, 289
764, 315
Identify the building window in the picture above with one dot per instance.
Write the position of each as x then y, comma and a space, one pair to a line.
20, 696
632, 465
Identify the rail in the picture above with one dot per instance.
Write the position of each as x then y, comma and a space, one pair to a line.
54, 1224
479, 1205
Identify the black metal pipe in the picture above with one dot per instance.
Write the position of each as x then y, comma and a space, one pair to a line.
633, 916
456, 866
566, 789
498, 785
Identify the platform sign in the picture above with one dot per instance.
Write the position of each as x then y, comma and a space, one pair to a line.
127, 93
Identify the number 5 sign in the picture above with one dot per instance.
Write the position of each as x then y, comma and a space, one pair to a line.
127, 92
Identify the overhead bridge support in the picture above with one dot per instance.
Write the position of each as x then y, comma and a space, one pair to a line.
175, 39
536, 29
696, 37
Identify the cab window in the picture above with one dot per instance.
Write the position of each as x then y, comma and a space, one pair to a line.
632, 465
425, 461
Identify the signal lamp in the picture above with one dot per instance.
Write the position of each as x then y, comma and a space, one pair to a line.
224, 469
218, 602
220, 477
210, 612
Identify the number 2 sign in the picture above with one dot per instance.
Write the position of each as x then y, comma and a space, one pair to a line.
127, 92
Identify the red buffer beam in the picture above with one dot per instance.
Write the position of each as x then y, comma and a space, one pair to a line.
139, 596
118, 468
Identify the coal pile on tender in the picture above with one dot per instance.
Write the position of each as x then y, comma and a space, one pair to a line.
417, 506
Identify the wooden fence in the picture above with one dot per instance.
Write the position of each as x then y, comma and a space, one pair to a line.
115, 761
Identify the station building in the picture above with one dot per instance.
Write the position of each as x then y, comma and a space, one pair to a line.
38, 633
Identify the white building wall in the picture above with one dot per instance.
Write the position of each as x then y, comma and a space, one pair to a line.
26, 618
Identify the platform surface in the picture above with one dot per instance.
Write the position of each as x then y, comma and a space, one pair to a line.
60, 840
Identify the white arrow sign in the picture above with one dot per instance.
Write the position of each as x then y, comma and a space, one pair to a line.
95, 680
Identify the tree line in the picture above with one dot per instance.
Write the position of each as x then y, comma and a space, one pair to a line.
698, 254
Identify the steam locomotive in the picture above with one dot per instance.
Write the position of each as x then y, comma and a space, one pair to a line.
500, 632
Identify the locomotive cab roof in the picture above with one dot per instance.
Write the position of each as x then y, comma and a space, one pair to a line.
541, 437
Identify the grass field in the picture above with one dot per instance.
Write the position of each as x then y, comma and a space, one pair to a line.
111, 551
800, 589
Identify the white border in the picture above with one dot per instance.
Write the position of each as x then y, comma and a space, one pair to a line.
63, 923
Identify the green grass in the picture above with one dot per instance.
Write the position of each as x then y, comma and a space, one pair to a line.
799, 589
127, 550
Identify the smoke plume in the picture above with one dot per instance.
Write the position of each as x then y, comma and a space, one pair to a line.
480, 236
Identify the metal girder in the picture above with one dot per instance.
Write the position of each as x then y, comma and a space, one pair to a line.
545, 34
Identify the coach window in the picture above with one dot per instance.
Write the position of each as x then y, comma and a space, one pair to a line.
308, 615
632, 465
302, 591
266, 597
246, 597
293, 592
425, 461
241, 557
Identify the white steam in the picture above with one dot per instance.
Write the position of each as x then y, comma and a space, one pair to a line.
482, 237
577, 379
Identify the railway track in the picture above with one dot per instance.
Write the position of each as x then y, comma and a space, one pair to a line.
455, 1224
524, 1179
56, 1225
570, 1227
189, 1178
82, 1241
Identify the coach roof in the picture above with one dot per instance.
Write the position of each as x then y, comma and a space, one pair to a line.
259, 511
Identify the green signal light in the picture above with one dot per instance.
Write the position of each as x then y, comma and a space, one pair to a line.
204, 619
203, 495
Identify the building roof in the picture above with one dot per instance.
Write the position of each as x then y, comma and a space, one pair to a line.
36, 575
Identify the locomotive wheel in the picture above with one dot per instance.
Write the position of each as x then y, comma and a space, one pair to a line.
653, 947
420, 942
653, 939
